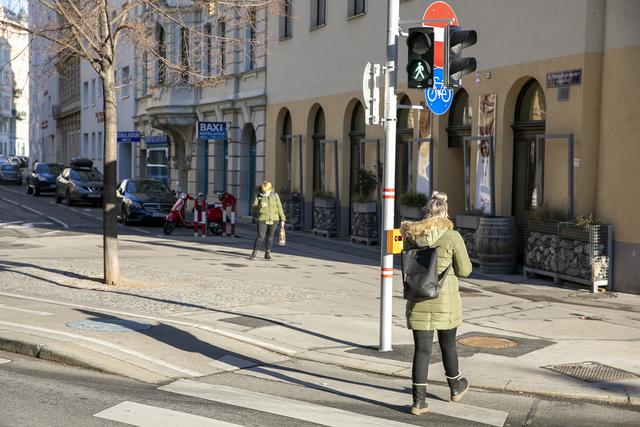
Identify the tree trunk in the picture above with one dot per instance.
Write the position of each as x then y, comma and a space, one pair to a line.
110, 224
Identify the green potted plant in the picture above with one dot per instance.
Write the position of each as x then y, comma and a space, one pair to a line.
411, 205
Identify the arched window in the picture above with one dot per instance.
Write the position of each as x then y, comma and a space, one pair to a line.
459, 119
531, 106
318, 137
286, 126
161, 71
357, 133
528, 153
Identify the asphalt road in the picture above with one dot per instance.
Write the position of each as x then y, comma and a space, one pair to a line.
38, 393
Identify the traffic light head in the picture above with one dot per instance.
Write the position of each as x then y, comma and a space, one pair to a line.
420, 57
455, 65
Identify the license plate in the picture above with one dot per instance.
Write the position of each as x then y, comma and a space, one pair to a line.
93, 196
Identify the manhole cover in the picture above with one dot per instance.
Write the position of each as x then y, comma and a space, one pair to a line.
108, 325
487, 342
592, 372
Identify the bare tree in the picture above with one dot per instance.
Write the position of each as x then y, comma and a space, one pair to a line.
92, 30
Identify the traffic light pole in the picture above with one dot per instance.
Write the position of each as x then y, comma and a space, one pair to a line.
388, 189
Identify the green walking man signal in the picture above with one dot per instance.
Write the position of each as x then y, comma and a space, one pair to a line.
420, 57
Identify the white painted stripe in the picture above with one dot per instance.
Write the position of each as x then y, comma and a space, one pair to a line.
22, 206
58, 221
108, 345
456, 410
141, 230
141, 415
230, 363
4, 360
24, 310
310, 412
48, 233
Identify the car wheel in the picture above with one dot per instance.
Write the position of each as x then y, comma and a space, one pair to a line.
169, 226
29, 190
69, 201
36, 190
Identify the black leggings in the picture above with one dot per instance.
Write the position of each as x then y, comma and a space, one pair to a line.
264, 229
423, 342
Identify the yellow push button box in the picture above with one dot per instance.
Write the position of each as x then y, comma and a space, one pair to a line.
394, 241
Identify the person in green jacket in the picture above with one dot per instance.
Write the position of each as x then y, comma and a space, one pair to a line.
269, 211
443, 314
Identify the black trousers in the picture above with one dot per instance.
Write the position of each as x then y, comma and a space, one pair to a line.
264, 230
423, 343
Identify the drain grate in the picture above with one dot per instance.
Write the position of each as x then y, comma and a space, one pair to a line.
592, 372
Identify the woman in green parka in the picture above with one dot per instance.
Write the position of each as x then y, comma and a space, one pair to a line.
443, 314
269, 210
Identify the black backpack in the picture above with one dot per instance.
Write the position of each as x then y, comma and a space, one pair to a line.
420, 277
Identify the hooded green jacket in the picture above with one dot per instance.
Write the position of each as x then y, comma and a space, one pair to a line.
268, 208
444, 312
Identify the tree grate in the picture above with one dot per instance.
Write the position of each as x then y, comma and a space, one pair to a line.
592, 372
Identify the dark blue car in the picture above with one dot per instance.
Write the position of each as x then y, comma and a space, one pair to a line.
143, 199
10, 172
43, 178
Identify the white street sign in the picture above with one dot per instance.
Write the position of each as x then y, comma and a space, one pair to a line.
371, 93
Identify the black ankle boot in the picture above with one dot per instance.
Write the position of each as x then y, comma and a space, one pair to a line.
419, 404
253, 255
458, 385
267, 255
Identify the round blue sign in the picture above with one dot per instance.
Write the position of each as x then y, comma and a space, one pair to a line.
439, 98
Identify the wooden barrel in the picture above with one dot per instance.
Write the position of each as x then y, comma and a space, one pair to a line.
497, 245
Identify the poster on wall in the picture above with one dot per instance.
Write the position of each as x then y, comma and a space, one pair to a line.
423, 169
486, 127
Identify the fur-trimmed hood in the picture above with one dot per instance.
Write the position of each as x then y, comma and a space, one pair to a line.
431, 228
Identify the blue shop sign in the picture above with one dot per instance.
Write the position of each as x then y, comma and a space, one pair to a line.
156, 140
128, 136
212, 130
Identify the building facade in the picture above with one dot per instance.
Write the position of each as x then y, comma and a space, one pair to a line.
314, 85
228, 47
14, 86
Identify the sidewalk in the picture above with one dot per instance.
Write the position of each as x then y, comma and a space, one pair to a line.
318, 301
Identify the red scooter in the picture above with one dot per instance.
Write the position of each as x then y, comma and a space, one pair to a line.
177, 216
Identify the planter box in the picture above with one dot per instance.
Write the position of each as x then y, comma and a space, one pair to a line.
293, 211
325, 219
411, 212
364, 220
565, 251
471, 222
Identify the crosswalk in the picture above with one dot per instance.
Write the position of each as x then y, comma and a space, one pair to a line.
4, 360
143, 415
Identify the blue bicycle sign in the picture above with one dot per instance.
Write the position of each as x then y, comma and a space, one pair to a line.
439, 97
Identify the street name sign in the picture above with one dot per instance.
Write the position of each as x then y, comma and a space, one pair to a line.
371, 93
128, 136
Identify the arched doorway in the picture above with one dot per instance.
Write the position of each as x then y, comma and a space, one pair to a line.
404, 133
530, 119
459, 119
283, 156
459, 125
356, 134
249, 164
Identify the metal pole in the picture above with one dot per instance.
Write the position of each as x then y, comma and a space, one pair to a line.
492, 172
388, 190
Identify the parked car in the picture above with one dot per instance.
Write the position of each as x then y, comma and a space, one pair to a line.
43, 178
80, 182
143, 199
21, 161
10, 173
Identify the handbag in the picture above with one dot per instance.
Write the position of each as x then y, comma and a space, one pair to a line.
420, 278
282, 238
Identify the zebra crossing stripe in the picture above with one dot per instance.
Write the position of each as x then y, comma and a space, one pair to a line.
290, 408
4, 360
137, 414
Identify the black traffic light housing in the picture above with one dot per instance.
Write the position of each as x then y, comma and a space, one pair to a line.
420, 57
455, 65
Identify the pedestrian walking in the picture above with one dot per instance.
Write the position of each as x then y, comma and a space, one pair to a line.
444, 313
269, 211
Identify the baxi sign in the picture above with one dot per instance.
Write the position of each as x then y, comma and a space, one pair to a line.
212, 130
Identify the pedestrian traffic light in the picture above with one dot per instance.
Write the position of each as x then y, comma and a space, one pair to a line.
455, 66
420, 58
